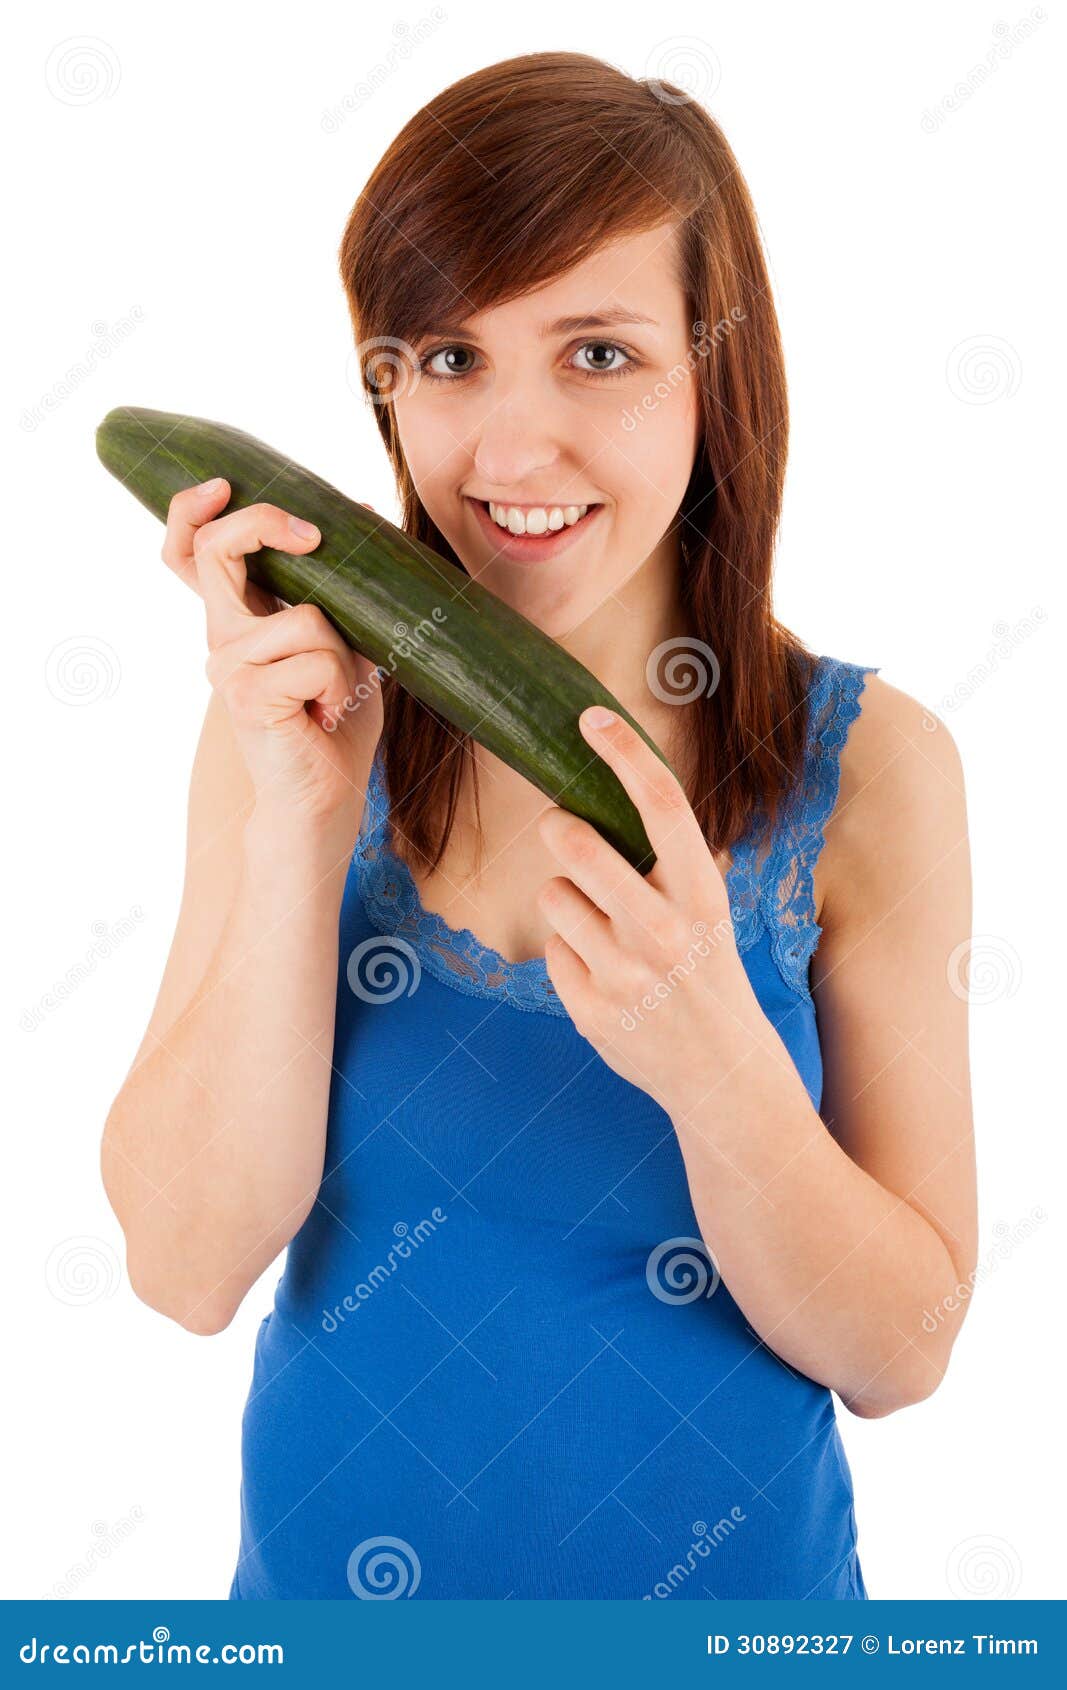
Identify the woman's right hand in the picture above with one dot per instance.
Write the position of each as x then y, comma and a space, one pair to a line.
306, 709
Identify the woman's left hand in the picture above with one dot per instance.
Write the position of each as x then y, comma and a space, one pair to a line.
646, 966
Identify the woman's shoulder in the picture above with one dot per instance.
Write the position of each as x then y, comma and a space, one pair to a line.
900, 801
897, 750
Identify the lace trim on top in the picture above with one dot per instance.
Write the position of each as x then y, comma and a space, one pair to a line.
769, 884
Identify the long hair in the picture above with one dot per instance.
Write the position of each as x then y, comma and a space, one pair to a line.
499, 185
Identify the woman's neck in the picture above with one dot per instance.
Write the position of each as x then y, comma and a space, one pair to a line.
617, 643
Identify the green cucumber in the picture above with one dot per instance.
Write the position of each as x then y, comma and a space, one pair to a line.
480, 664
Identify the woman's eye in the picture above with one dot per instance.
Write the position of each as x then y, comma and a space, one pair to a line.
613, 369
429, 366
428, 359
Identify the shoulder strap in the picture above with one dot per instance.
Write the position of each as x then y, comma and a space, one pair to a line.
375, 807
834, 704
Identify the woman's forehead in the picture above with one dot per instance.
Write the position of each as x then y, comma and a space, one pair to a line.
630, 282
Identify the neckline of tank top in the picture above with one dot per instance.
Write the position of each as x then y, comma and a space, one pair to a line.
388, 889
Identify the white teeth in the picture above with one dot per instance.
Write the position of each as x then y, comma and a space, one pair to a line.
538, 519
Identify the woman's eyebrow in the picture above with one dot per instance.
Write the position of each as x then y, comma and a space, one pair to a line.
607, 317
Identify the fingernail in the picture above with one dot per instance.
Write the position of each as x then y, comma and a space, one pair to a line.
305, 530
211, 486
597, 717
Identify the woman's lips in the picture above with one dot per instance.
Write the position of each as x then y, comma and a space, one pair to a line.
531, 548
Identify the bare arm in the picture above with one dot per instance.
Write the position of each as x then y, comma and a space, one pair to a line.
842, 1233
213, 1149
845, 1237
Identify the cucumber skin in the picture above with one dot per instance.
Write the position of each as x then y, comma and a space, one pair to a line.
480, 664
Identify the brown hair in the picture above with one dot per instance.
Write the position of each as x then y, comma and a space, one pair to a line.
499, 185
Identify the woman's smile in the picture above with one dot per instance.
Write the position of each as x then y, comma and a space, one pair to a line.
529, 547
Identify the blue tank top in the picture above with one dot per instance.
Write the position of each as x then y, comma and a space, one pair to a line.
500, 1360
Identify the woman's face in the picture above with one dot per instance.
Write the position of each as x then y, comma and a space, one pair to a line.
534, 415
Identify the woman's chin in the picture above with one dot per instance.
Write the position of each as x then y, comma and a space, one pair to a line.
557, 616
553, 606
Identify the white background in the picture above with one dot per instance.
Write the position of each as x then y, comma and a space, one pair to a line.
178, 197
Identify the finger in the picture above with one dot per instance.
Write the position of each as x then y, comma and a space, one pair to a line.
220, 548
673, 830
269, 694
567, 972
633, 906
587, 930
188, 511
285, 633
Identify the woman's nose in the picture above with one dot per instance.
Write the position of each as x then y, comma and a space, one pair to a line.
513, 446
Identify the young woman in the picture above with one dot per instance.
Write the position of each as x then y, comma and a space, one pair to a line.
596, 1186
